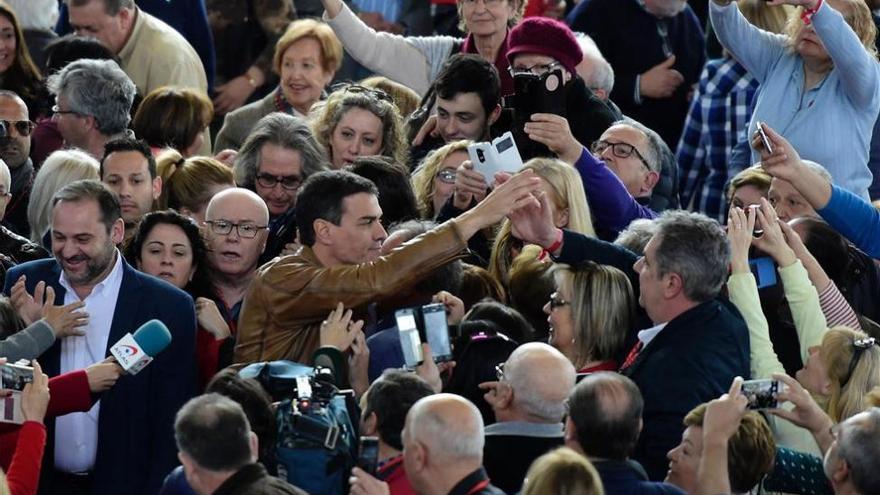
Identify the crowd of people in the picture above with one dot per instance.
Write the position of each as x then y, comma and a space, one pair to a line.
672, 288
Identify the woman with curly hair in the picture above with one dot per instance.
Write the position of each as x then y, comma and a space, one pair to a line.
359, 121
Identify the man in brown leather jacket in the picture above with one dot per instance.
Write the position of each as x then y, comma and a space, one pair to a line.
338, 219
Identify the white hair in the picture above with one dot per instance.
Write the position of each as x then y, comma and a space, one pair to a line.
602, 74
540, 386
450, 439
35, 14
818, 169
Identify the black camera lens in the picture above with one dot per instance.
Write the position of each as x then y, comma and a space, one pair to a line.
481, 156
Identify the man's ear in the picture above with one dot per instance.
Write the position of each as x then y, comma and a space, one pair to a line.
419, 457
255, 446
369, 425
117, 231
157, 187
841, 472
126, 18
493, 116
322, 230
673, 285
650, 180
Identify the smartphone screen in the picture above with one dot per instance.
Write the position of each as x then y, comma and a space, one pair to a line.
761, 393
410, 343
368, 455
437, 332
764, 270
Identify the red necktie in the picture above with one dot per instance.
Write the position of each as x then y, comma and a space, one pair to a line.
633, 354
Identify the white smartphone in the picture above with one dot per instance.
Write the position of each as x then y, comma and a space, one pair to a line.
500, 155
410, 342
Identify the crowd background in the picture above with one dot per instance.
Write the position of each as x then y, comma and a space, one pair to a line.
697, 209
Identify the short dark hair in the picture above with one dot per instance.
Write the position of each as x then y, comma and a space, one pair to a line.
71, 47
89, 189
257, 406
511, 321
390, 398
321, 197
466, 73
396, 196
606, 409
125, 144
213, 430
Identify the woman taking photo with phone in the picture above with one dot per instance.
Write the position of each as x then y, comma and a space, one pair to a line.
820, 82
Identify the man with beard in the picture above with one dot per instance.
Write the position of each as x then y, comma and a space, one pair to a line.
15, 146
129, 170
126, 438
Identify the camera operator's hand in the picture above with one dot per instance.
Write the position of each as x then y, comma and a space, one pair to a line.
554, 132
66, 320
454, 307
103, 375
661, 80
469, 185
35, 396
361, 483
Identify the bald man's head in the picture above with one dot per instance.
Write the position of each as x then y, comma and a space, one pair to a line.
448, 425
237, 221
605, 415
541, 378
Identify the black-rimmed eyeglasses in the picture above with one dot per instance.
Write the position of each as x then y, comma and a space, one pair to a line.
290, 182
620, 150
244, 230
537, 69
557, 302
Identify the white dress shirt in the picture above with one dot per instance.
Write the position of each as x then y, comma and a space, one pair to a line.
76, 434
647, 335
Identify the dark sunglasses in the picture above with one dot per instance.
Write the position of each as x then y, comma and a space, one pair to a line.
22, 127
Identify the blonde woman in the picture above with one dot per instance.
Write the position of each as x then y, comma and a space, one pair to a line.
189, 183
60, 168
359, 121
564, 188
841, 365
434, 180
562, 472
590, 315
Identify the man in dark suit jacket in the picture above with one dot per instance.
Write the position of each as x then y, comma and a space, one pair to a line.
699, 343
604, 422
134, 448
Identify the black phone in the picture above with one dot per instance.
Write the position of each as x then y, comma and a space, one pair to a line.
368, 455
437, 331
539, 94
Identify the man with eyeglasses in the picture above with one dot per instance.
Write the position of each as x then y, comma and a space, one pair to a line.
236, 229
129, 170
277, 156
621, 173
15, 148
529, 402
93, 101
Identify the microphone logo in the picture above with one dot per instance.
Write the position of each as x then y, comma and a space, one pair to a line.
128, 350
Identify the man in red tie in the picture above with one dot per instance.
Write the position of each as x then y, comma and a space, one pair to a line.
698, 343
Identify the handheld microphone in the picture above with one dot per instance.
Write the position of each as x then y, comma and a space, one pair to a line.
135, 352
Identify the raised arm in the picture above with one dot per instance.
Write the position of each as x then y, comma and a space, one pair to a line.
859, 71
387, 54
757, 50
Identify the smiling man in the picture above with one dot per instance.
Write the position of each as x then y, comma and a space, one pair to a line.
338, 220
126, 438
129, 170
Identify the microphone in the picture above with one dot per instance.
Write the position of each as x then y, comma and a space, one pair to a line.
135, 352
